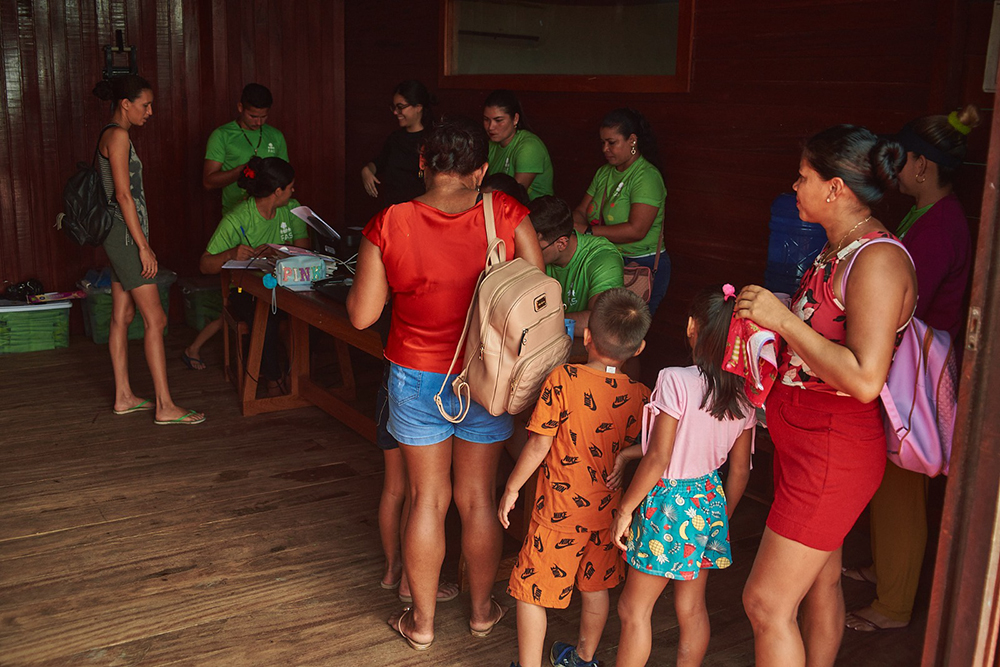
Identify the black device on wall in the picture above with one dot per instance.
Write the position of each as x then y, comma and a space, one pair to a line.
110, 70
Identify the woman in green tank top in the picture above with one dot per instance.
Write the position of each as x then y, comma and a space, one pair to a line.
133, 262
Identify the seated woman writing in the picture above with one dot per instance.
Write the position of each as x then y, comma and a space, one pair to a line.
244, 233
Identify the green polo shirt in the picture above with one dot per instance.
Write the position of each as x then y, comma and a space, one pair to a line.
615, 191
525, 154
283, 229
595, 267
233, 146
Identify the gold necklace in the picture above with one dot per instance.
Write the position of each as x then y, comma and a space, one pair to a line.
825, 257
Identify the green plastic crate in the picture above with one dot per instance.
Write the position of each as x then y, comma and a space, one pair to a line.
202, 300
97, 309
34, 327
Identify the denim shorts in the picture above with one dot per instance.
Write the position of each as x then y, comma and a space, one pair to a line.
414, 418
383, 439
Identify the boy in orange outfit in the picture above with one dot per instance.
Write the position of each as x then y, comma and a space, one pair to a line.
586, 414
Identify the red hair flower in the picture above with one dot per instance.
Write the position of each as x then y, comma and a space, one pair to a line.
248, 172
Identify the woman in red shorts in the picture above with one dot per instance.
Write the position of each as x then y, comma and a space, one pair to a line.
823, 416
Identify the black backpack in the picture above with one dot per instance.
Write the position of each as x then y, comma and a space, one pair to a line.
87, 212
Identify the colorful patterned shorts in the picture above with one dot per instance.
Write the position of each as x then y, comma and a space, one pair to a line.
680, 528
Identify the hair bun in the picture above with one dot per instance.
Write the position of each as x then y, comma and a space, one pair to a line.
887, 158
969, 116
103, 90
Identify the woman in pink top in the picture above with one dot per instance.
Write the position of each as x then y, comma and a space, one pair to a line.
428, 254
696, 419
823, 416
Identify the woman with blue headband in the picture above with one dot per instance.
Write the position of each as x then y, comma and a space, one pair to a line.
936, 234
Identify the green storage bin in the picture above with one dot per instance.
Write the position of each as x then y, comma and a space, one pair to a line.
97, 309
202, 300
34, 327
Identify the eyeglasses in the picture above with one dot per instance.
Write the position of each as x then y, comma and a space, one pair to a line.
398, 108
552, 243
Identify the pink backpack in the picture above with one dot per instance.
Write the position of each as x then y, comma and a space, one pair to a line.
919, 398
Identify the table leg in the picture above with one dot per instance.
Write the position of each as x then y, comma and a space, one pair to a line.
347, 388
252, 369
299, 361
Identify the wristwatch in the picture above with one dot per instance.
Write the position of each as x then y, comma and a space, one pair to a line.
589, 229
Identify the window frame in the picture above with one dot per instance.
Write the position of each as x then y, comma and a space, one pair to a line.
679, 82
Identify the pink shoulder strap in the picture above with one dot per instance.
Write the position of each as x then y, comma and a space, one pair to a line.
847, 271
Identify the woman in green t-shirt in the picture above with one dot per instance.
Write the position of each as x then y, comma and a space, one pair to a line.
624, 202
514, 149
242, 234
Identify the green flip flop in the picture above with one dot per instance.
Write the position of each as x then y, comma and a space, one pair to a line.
183, 419
139, 407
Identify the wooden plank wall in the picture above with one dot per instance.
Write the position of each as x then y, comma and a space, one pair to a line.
198, 55
766, 75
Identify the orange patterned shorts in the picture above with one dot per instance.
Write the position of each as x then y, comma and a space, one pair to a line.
551, 564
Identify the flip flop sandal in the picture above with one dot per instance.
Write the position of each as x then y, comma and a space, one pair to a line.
440, 598
415, 645
487, 631
865, 625
393, 586
191, 361
857, 574
182, 420
139, 407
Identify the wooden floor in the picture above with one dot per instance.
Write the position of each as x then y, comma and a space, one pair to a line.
246, 541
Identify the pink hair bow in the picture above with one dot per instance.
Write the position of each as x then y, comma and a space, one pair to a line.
728, 292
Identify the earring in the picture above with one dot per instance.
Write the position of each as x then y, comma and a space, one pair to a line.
921, 178
827, 200
420, 174
633, 149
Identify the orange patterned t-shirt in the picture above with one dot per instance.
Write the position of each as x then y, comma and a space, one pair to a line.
592, 415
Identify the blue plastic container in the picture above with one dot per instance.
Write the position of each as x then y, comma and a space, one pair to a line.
792, 247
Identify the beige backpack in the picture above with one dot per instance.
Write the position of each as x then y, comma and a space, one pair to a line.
514, 334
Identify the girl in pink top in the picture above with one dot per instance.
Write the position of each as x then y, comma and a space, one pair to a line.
697, 417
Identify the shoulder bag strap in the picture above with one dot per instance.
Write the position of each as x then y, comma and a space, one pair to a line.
659, 239
847, 271
97, 146
494, 254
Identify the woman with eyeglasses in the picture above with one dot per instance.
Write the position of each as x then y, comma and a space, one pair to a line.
395, 175
514, 149
624, 202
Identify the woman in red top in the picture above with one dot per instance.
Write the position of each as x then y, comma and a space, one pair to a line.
823, 416
428, 254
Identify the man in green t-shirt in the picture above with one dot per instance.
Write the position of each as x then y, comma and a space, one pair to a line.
232, 145
584, 265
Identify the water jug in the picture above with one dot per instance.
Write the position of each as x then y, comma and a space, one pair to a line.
793, 245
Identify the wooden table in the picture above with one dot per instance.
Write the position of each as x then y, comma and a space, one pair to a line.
306, 309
